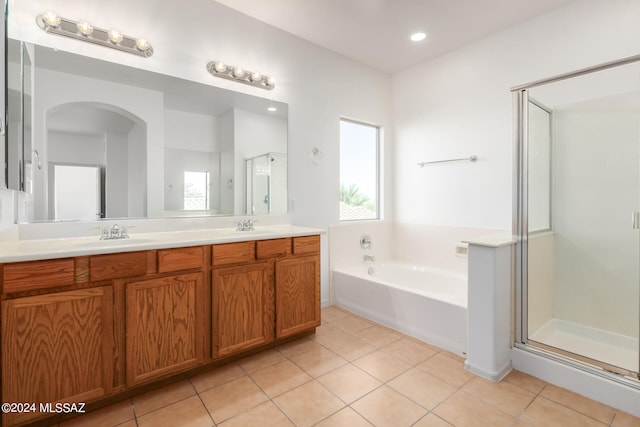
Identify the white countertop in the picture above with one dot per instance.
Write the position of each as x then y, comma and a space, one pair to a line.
31, 250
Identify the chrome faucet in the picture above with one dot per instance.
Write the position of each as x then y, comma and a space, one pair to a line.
245, 225
115, 232
369, 258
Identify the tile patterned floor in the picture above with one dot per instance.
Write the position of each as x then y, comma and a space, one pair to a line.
354, 372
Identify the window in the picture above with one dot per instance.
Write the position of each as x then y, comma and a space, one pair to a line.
359, 166
196, 191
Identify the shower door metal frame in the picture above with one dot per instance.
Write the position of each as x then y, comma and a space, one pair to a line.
520, 232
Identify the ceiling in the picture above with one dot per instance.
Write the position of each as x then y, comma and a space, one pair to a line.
376, 32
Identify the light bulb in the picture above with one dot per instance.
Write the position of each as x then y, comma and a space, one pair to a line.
84, 27
255, 76
238, 72
142, 44
115, 36
51, 18
220, 67
270, 81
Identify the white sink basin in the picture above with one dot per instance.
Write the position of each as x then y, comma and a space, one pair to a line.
114, 242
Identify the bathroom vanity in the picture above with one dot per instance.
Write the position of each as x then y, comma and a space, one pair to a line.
111, 320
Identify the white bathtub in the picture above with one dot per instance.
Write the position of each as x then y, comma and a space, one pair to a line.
424, 302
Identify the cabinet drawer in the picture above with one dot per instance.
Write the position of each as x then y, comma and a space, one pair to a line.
306, 245
232, 253
28, 276
273, 248
180, 259
115, 266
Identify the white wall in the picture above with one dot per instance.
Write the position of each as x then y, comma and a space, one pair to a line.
459, 104
596, 187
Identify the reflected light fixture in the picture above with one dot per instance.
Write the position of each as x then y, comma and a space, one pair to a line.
240, 75
52, 23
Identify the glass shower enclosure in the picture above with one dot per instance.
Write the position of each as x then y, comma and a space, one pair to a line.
266, 184
577, 218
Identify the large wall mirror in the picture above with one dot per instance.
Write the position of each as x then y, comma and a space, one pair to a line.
90, 139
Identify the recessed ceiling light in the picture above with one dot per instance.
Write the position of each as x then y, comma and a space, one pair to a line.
272, 109
418, 36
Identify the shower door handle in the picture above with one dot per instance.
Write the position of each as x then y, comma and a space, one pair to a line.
635, 220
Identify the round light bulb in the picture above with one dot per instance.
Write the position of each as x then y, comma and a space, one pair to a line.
418, 36
270, 81
142, 44
51, 18
255, 76
115, 36
220, 67
238, 72
84, 27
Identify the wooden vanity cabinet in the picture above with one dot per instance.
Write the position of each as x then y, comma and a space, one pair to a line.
166, 316
242, 300
57, 348
164, 322
87, 328
297, 288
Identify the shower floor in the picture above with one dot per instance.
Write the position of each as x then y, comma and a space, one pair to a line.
608, 347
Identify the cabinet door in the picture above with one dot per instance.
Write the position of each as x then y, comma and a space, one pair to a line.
164, 326
297, 295
57, 348
243, 308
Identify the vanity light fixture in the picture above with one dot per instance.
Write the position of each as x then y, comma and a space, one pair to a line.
51, 22
238, 74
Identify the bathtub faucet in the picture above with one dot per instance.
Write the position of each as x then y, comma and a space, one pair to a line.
369, 258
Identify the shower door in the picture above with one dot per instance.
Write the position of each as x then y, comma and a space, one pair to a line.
579, 197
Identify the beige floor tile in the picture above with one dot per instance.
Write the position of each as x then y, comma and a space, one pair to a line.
464, 410
266, 414
622, 419
130, 423
431, 420
349, 348
159, 398
346, 417
349, 382
260, 360
544, 412
189, 412
333, 313
328, 333
232, 398
447, 369
280, 378
386, 407
378, 336
526, 381
318, 361
579, 403
424, 389
454, 356
109, 416
503, 395
352, 324
409, 351
382, 365
216, 377
297, 347
308, 404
